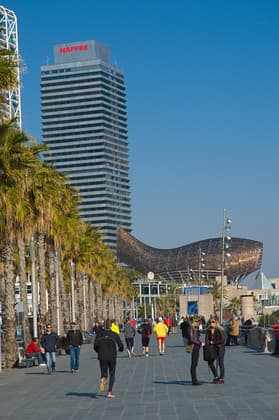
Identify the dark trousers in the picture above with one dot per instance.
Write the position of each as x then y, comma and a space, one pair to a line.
130, 343
194, 364
234, 340
108, 366
219, 363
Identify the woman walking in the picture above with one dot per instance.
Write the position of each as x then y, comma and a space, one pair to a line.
145, 330
161, 330
195, 338
129, 334
215, 336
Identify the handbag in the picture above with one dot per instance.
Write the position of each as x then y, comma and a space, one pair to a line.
209, 353
189, 348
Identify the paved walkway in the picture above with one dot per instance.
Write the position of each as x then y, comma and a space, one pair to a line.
151, 388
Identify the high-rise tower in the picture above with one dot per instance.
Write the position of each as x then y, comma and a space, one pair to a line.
85, 128
11, 107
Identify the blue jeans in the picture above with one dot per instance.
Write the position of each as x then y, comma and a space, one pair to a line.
74, 357
50, 360
38, 355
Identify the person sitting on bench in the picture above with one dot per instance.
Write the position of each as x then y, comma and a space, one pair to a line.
34, 350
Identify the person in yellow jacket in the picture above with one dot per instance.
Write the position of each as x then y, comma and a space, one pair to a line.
161, 331
114, 327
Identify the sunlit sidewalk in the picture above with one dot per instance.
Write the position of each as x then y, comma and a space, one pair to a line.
157, 387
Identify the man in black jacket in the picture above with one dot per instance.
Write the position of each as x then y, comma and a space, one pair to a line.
49, 342
74, 340
105, 345
184, 326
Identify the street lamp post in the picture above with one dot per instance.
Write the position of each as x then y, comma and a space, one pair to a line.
201, 267
73, 291
84, 300
57, 293
225, 254
34, 287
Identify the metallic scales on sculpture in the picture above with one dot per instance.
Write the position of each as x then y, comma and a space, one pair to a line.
183, 263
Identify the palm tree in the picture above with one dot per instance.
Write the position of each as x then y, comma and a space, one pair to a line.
234, 305
18, 156
216, 294
9, 68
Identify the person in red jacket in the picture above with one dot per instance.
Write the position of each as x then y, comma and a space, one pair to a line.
34, 350
168, 323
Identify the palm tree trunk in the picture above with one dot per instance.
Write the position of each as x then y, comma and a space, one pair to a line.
119, 308
9, 340
51, 286
23, 289
91, 304
64, 302
99, 300
79, 299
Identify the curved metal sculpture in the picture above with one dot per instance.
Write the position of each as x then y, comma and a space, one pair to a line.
183, 263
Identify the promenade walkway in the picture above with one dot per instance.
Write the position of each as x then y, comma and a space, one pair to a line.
151, 388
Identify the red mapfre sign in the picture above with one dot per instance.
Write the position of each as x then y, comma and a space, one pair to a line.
74, 48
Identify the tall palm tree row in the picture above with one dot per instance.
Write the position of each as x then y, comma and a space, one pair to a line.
36, 201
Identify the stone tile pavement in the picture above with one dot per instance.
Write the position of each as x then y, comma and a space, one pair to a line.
157, 387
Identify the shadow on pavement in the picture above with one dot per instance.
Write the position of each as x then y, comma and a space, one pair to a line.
35, 373
173, 382
45, 372
84, 394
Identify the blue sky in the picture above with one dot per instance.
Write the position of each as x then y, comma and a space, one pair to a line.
202, 95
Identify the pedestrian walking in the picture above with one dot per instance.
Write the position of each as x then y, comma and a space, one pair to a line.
74, 340
215, 335
184, 326
145, 330
114, 326
129, 334
194, 337
161, 330
49, 343
105, 345
234, 332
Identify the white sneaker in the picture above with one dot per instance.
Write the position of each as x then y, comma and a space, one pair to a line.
42, 364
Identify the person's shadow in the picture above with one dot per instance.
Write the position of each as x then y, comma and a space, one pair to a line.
173, 382
85, 394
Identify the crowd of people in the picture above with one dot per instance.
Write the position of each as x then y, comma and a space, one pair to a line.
197, 334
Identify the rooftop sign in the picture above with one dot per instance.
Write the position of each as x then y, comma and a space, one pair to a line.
73, 48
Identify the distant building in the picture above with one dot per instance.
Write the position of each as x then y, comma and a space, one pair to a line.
9, 41
84, 120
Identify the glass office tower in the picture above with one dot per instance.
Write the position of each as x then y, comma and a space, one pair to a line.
84, 124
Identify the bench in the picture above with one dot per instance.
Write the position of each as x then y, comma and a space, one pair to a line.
24, 361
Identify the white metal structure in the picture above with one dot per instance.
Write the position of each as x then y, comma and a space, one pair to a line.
9, 41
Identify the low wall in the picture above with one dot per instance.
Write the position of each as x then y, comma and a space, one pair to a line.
262, 339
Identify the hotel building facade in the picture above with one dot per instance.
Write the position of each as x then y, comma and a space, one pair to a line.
84, 125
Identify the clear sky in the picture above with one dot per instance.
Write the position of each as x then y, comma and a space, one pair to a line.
202, 95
